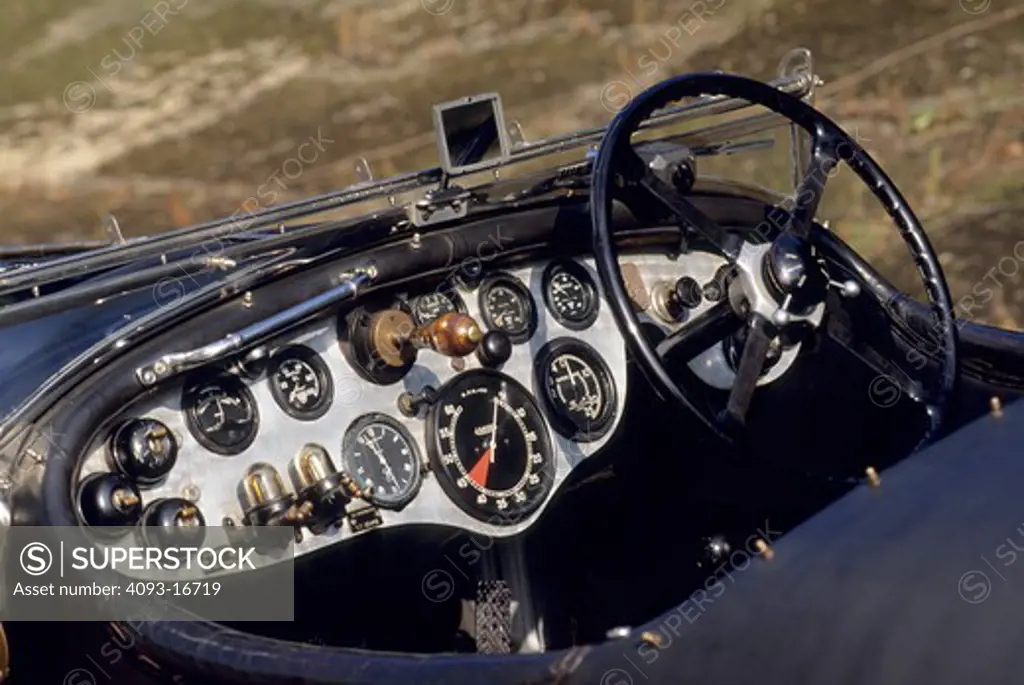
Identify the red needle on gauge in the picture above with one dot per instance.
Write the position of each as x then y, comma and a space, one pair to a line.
480, 470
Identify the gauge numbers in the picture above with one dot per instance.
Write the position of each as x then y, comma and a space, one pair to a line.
577, 389
432, 305
378, 452
221, 413
506, 305
301, 383
570, 294
490, 448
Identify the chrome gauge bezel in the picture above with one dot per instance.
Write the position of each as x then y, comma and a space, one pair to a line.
408, 494
586, 281
561, 423
320, 368
524, 296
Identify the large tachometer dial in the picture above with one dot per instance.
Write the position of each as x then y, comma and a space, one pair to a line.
490, 448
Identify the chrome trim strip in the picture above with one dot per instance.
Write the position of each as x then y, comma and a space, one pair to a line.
175, 363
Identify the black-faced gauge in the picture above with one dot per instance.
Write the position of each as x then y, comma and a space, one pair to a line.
429, 306
301, 382
570, 294
220, 413
489, 447
507, 305
380, 454
576, 388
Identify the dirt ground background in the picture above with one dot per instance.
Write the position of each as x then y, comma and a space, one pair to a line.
175, 111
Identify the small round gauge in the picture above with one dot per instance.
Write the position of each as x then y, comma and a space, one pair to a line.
221, 413
430, 306
489, 447
378, 452
576, 388
301, 383
570, 294
506, 305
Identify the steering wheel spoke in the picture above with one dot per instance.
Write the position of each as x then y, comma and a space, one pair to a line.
706, 329
823, 160
784, 281
755, 353
657, 185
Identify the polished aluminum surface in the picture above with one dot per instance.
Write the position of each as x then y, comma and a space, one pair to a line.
281, 437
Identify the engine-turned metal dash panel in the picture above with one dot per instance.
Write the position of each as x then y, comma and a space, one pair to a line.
210, 478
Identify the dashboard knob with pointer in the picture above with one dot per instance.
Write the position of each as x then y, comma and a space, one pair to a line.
489, 447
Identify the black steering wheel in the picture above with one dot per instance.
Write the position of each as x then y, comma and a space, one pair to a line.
775, 285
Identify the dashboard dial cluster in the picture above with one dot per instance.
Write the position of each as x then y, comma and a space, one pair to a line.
331, 442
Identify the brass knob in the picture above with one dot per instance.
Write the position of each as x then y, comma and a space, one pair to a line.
395, 339
453, 334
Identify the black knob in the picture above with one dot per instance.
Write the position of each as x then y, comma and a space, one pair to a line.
109, 499
173, 520
144, 450
688, 292
495, 349
715, 289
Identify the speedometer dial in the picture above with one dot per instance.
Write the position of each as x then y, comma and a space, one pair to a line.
490, 447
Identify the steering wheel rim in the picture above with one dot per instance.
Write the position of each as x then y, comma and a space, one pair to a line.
830, 145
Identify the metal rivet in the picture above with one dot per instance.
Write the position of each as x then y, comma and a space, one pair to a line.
764, 550
191, 492
874, 480
995, 406
247, 300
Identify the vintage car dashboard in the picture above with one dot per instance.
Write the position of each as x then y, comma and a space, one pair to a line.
313, 430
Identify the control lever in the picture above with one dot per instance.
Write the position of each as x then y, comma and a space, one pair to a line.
395, 340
